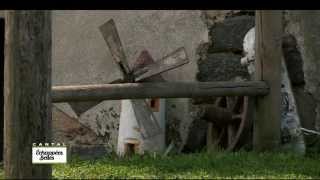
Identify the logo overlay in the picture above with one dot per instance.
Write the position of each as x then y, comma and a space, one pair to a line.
49, 153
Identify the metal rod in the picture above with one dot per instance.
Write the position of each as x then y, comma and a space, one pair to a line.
157, 90
310, 131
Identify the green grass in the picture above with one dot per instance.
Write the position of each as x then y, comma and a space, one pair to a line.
200, 165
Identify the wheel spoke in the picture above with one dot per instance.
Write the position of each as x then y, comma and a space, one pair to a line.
231, 102
237, 108
231, 134
220, 137
237, 116
217, 102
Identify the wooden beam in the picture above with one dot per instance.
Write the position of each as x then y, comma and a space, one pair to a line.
1, 76
27, 100
268, 55
160, 90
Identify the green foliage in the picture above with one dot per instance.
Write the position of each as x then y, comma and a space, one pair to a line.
199, 165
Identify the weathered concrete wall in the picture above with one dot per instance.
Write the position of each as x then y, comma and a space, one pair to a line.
80, 56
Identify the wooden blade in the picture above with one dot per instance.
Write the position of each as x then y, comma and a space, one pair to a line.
149, 126
111, 36
173, 60
83, 106
145, 59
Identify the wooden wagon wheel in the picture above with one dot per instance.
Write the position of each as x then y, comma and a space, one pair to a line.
229, 119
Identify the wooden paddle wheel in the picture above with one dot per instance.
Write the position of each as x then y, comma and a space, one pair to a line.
229, 123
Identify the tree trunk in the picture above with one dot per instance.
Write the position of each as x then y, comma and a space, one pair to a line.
27, 91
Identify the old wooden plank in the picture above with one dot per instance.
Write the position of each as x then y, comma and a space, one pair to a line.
268, 68
171, 61
1, 81
27, 92
213, 138
111, 36
147, 122
161, 90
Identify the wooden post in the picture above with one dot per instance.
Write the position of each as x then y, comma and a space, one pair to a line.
1, 76
268, 68
27, 91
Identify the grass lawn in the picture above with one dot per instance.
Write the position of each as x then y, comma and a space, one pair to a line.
200, 165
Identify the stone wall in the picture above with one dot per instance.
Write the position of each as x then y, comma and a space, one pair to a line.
302, 42
219, 61
304, 26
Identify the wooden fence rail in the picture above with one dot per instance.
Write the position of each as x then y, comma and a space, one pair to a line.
160, 90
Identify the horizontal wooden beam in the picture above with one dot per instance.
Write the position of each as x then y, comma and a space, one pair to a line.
160, 90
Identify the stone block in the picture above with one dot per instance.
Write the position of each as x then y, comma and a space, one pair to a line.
221, 67
293, 60
306, 107
228, 35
